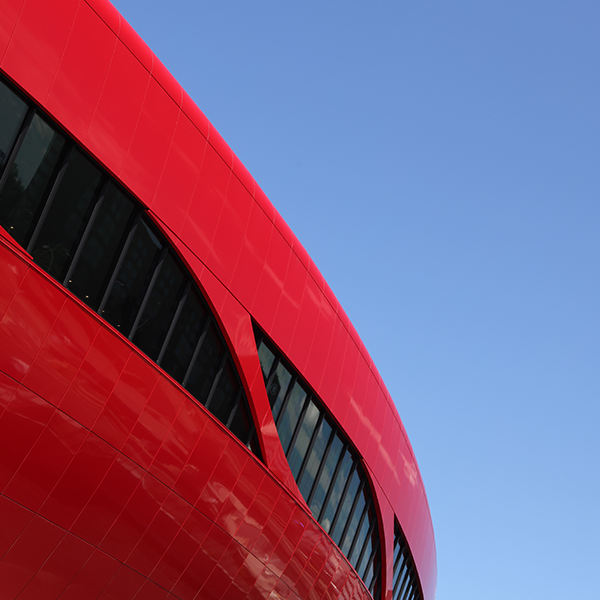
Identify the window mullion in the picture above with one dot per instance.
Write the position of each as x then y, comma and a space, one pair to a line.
286, 400
17, 146
234, 410
196, 351
86, 231
321, 466
298, 426
364, 514
351, 515
336, 472
149, 289
342, 498
182, 301
215, 382
117, 268
310, 447
69, 151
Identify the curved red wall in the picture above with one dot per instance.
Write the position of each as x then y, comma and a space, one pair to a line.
90, 71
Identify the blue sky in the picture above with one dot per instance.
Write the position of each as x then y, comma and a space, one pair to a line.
440, 161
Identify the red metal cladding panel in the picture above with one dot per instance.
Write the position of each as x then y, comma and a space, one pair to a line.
95, 379
27, 555
125, 584
61, 354
180, 175
271, 281
10, 16
127, 399
264, 203
37, 306
374, 426
286, 315
316, 360
38, 43
136, 516
151, 141
115, 117
228, 240
176, 448
232, 511
78, 482
249, 267
159, 535
8, 387
14, 272
21, 424
15, 520
181, 551
220, 484
46, 462
86, 59
199, 468
92, 578
306, 325
56, 573
108, 500
153, 423
331, 378
205, 208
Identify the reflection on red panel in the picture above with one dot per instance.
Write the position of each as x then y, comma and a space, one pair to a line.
150, 144
87, 56
179, 177
37, 44
228, 240
113, 124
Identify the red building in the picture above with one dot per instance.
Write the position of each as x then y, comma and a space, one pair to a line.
185, 409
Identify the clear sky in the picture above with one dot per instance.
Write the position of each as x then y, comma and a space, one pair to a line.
440, 161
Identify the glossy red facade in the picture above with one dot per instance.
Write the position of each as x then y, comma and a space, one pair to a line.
114, 482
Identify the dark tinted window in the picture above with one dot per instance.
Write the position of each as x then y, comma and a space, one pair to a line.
224, 396
159, 309
277, 388
184, 339
266, 361
206, 365
30, 179
302, 439
56, 237
307, 479
344, 509
289, 419
133, 277
12, 114
324, 479
406, 584
336, 490
103, 238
